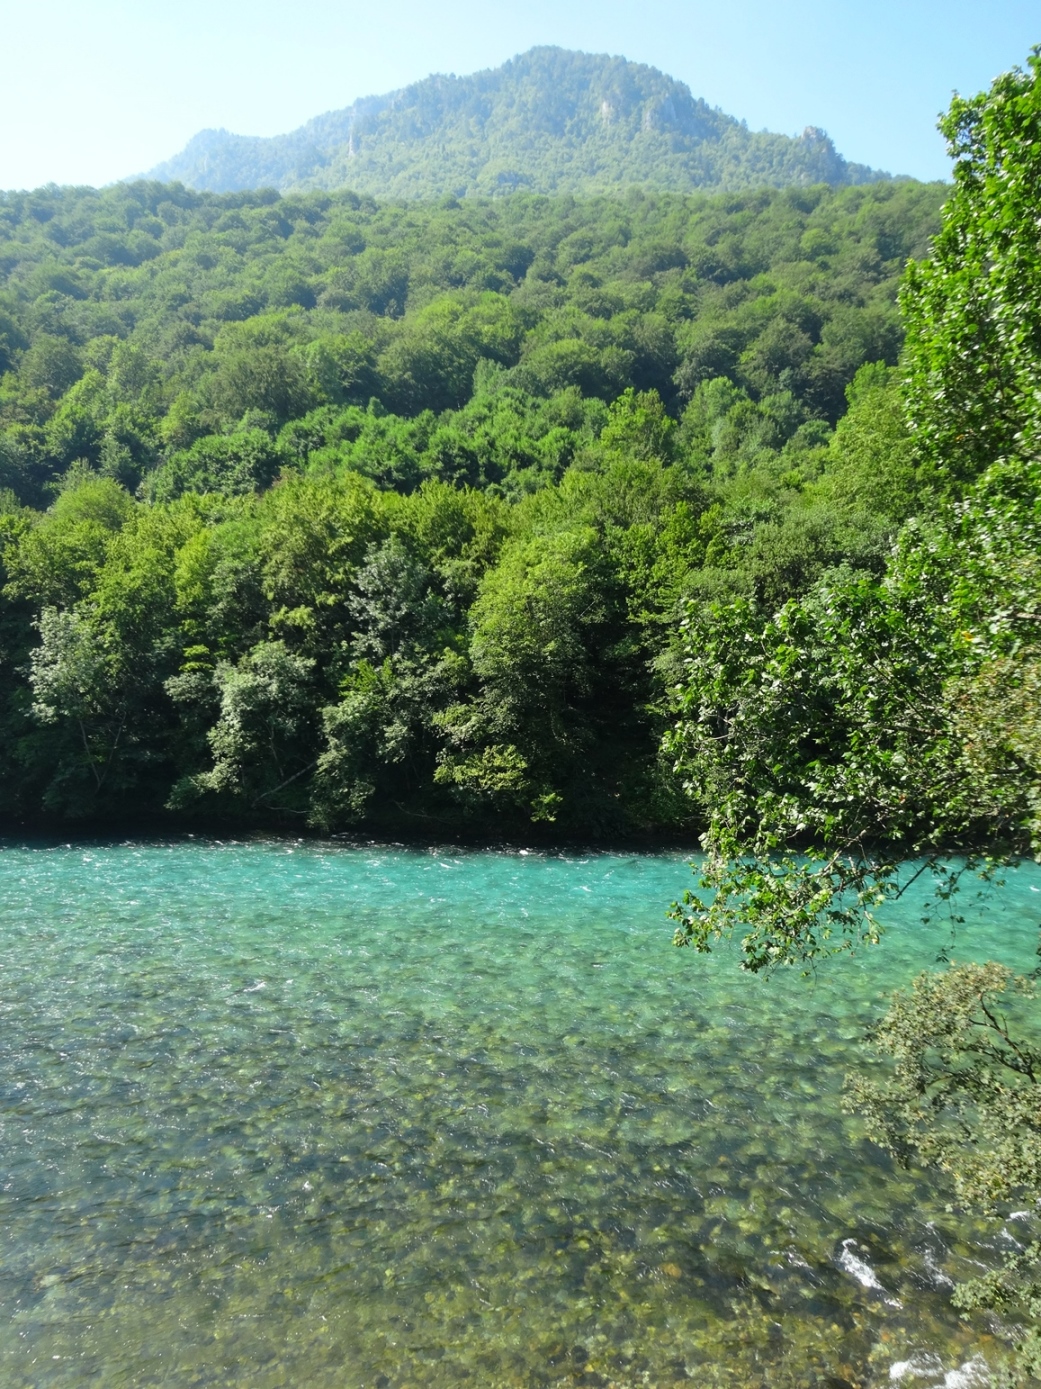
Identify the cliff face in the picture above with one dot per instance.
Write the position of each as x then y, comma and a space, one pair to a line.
548, 121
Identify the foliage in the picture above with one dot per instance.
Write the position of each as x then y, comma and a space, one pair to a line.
264, 710
962, 1096
846, 724
974, 308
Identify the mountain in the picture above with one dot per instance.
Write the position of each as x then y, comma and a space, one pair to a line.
548, 121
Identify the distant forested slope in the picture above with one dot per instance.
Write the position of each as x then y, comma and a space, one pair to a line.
322, 510
549, 121
259, 307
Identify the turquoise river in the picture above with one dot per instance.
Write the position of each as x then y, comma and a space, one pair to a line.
324, 1116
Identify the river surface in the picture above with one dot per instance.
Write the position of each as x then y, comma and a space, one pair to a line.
321, 1117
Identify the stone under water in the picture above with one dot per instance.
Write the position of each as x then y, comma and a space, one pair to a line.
306, 1114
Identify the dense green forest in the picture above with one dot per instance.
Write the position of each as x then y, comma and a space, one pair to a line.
323, 511
549, 121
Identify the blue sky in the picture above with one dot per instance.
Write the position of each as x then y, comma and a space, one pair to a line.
99, 89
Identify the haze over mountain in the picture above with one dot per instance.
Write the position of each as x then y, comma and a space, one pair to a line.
548, 121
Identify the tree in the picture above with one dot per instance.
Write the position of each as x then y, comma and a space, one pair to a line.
72, 683
535, 628
51, 364
973, 308
835, 723
262, 742
963, 1096
57, 561
246, 461
831, 739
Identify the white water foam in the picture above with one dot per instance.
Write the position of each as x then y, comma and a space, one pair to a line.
863, 1272
918, 1365
936, 1273
972, 1375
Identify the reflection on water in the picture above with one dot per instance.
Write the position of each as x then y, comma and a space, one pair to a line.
298, 1115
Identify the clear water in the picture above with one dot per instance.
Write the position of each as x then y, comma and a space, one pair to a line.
300, 1115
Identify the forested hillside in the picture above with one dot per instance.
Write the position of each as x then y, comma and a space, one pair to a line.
328, 511
549, 121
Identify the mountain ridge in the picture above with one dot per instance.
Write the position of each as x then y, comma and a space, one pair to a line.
550, 120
